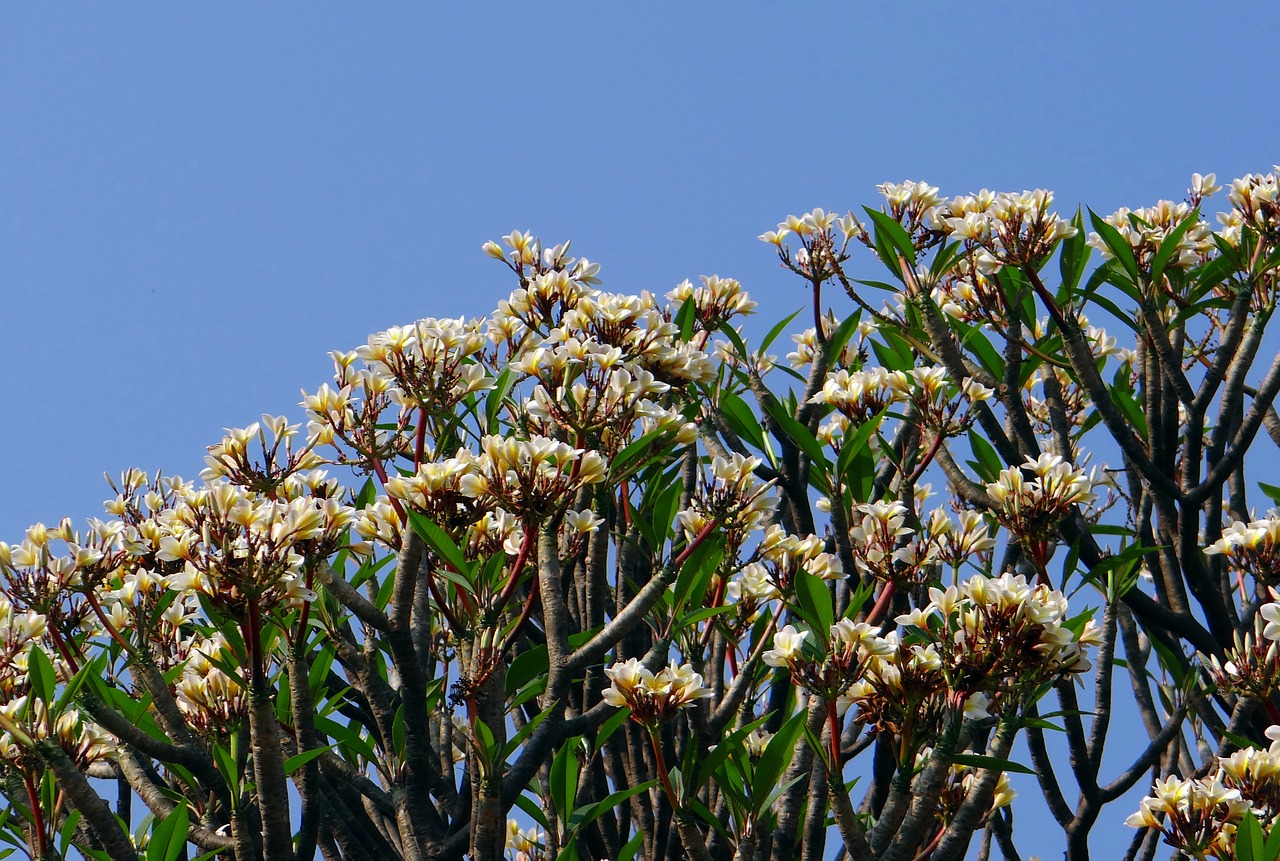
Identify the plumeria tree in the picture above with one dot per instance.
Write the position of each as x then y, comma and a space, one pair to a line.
598, 576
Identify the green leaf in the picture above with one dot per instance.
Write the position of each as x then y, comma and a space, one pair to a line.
731, 744
41, 675
695, 804
94, 668
1074, 255
698, 616
1249, 839
494, 400
987, 462
664, 512
797, 433
815, 602
1116, 244
609, 727
686, 317
564, 777
526, 667
842, 334
346, 736
895, 236
169, 837
525, 731
633, 846
1169, 245
854, 443
619, 467
993, 763
531, 807
1272, 492
439, 541
586, 815
298, 760
741, 419
776, 757
695, 574
777, 330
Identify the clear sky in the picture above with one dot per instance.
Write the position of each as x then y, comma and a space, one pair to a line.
199, 201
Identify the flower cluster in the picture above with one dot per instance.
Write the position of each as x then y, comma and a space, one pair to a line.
1199, 816
733, 497
821, 251
1252, 548
1001, 636
836, 665
1252, 666
1032, 507
860, 395
531, 478
653, 698
1146, 229
1255, 203
237, 546
528, 844
1011, 229
28, 716
715, 302
232, 458
351, 415
853, 354
430, 364
212, 701
885, 548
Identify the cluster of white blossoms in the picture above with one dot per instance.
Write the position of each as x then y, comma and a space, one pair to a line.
830, 668
653, 698
1255, 202
1253, 547
238, 546
212, 701
715, 302
1199, 816
810, 225
860, 395
429, 364
733, 498
21, 632
1252, 666
265, 466
530, 478
851, 355
528, 844
887, 549
1146, 229
27, 719
1000, 634
587, 390
1012, 229
1031, 508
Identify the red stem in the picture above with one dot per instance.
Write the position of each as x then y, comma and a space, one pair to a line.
534, 593
61, 646
662, 769
837, 770
420, 439
693, 545
882, 603
102, 617
37, 814
526, 544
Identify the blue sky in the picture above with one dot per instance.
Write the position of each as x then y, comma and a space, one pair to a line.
199, 201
